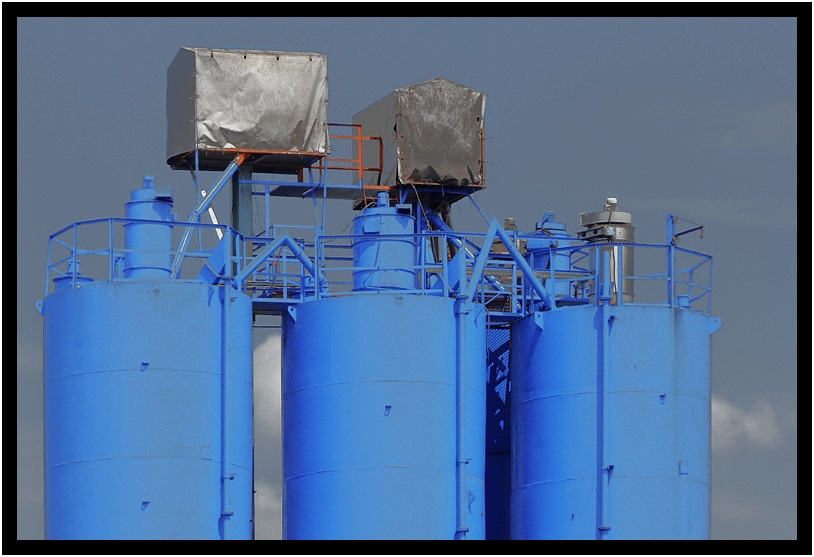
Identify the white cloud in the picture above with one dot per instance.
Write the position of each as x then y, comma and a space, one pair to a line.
733, 426
268, 510
267, 397
268, 439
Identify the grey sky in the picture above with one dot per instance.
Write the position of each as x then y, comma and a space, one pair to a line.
697, 117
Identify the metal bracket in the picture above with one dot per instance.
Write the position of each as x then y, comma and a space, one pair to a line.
538, 319
292, 311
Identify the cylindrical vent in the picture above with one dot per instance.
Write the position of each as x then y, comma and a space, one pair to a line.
611, 443
608, 226
73, 276
148, 245
384, 261
369, 418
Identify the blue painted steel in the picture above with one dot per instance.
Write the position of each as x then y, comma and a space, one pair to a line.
149, 245
384, 263
148, 398
369, 418
611, 423
195, 215
72, 277
498, 429
134, 411
550, 234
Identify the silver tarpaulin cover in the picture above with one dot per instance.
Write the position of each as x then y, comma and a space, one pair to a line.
431, 134
251, 99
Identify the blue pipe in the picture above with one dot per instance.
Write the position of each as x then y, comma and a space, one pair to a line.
462, 308
226, 476
604, 476
195, 215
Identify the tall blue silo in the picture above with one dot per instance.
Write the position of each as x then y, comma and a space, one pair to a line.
148, 397
383, 403
611, 413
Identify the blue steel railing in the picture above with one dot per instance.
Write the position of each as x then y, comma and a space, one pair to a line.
281, 277
684, 285
502, 286
95, 249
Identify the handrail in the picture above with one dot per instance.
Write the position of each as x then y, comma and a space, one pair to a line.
322, 266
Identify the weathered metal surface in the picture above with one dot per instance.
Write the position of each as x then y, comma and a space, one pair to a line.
273, 102
432, 134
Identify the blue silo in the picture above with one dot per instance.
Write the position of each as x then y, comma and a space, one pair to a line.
148, 396
611, 415
383, 404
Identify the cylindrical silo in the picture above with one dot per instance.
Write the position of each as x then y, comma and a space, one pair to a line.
148, 409
369, 418
611, 423
384, 401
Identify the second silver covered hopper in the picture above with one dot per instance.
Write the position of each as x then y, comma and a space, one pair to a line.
432, 134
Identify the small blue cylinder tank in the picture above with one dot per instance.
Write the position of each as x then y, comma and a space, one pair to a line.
384, 263
613, 443
149, 245
369, 418
550, 234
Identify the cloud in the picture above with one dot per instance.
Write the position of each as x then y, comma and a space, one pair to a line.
734, 427
267, 396
268, 510
268, 439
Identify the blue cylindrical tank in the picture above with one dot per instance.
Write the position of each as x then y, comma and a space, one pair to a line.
369, 418
611, 443
548, 234
134, 412
148, 245
384, 263
148, 405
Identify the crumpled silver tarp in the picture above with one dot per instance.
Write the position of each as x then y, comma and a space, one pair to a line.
431, 134
251, 99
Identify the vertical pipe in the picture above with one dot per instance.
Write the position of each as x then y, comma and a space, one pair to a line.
73, 256
461, 310
360, 153
670, 258
226, 353
49, 270
709, 289
110, 250
602, 413
268, 211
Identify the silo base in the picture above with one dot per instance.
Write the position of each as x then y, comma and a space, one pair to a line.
369, 418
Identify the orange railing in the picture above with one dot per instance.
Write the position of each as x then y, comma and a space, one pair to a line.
356, 164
